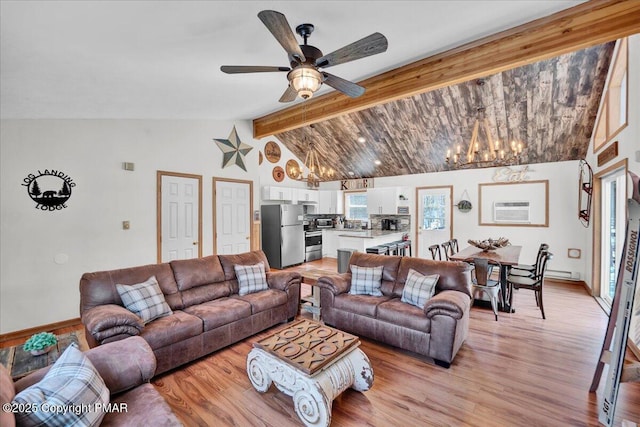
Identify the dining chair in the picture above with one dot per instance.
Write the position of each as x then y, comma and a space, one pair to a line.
446, 249
435, 250
528, 270
534, 283
454, 246
483, 283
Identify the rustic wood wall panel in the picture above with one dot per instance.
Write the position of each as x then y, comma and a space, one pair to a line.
550, 106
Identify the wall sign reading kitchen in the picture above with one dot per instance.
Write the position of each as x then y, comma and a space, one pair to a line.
49, 189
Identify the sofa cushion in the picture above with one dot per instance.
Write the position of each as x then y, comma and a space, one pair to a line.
366, 280
190, 273
402, 314
419, 288
99, 288
454, 276
144, 299
389, 267
7, 393
72, 380
251, 278
248, 258
171, 329
265, 300
220, 312
364, 305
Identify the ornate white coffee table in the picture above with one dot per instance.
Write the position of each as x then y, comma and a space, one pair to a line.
313, 363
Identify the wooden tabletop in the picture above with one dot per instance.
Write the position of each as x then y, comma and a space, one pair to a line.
508, 255
308, 346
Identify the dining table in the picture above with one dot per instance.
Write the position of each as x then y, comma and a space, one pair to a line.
507, 256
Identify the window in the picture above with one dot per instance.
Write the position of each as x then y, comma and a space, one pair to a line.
433, 212
612, 117
356, 205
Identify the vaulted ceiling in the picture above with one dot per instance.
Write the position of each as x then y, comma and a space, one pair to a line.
550, 106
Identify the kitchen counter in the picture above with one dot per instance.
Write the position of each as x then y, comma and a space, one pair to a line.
369, 234
363, 239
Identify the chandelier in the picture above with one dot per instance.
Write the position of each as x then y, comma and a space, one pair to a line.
487, 153
315, 173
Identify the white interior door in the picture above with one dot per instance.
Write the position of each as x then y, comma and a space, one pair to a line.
435, 221
180, 217
233, 216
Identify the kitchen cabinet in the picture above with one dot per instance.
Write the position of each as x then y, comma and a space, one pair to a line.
306, 196
330, 243
383, 201
271, 192
330, 202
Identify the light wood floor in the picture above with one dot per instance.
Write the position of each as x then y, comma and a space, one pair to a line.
519, 371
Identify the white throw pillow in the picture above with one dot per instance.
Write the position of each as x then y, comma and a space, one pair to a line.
145, 299
251, 278
418, 289
73, 383
366, 281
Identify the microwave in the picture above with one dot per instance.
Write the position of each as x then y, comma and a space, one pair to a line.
324, 223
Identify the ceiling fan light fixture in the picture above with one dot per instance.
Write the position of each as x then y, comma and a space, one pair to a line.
305, 80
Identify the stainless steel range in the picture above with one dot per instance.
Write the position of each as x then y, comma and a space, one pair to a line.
312, 244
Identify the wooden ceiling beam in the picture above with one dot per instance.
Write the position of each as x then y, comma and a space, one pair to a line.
588, 24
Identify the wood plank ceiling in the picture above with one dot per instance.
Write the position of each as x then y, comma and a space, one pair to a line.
549, 106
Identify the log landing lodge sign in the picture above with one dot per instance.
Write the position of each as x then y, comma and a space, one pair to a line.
49, 189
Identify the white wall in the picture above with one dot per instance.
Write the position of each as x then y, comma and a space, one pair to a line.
34, 289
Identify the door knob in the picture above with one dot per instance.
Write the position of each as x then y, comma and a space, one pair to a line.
247, 237
195, 243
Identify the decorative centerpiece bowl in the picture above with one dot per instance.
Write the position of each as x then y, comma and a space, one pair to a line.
490, 244
40, 343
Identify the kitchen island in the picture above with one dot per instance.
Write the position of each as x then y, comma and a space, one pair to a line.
360, 240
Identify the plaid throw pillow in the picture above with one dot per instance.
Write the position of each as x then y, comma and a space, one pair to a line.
366, 281
71, 382
251, 278
145, 299
418, 289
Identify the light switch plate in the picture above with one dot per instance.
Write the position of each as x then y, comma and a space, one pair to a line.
126, 225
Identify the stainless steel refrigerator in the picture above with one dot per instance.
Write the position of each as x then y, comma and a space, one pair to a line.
283, 234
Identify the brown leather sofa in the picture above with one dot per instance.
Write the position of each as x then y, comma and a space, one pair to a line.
126, 367
437, 331
208, 314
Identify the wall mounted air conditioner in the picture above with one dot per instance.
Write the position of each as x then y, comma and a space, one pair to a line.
516, 212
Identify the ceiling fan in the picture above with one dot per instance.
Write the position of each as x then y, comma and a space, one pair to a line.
305, 76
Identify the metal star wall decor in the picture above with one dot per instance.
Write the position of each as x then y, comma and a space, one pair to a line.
233, 150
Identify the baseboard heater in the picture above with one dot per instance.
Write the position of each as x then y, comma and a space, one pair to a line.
562, 274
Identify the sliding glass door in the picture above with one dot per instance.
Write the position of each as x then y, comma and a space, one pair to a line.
614, 195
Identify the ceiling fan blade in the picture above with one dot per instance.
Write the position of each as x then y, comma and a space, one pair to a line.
277, 23
235, 69
370, 45
345, 86
289, 95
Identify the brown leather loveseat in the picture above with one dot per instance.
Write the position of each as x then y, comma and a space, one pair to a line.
208, 313
437, 330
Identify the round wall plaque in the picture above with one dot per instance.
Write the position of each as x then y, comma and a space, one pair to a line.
272, 152
292, 168
464, 205
278, 174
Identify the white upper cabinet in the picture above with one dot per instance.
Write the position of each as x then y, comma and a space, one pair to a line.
330, 202
271, 192
306, 196
383, 201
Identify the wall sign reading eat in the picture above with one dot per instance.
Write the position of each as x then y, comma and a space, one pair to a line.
49, 189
